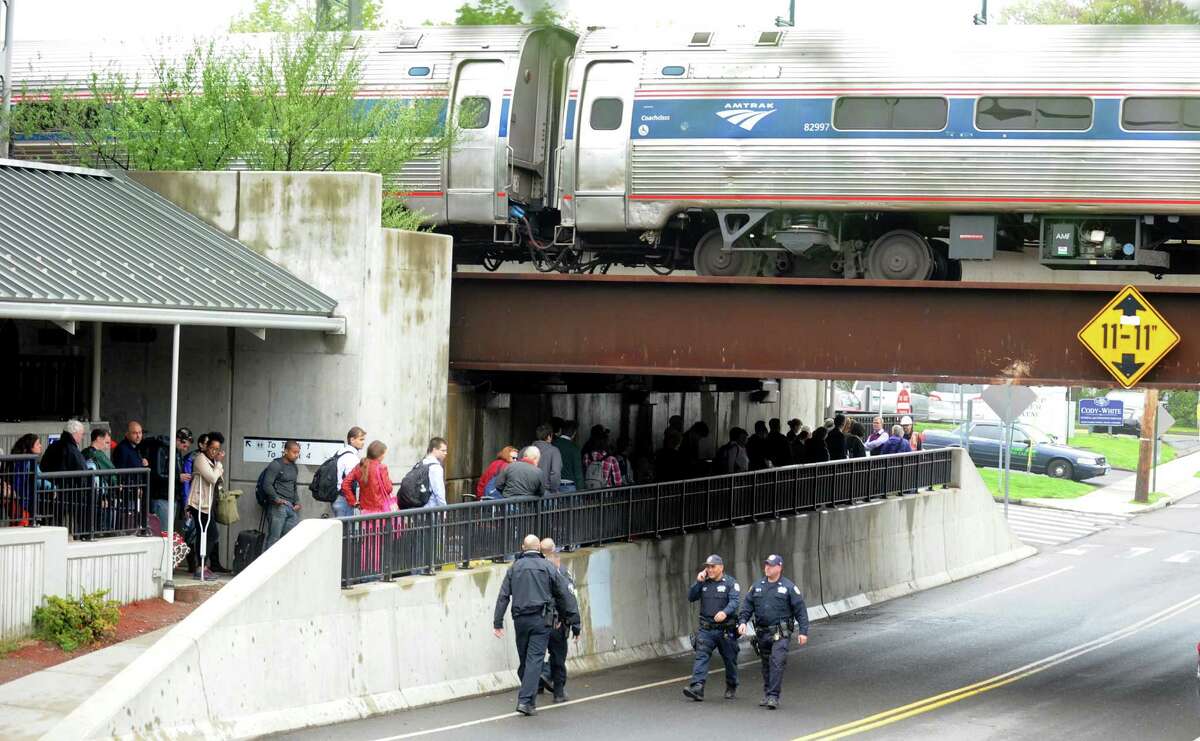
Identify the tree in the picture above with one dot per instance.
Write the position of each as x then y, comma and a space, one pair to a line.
290, 16
502, 13
291, 107
1099, 12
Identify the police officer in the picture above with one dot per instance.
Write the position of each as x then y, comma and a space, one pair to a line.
554, 673
537, 591
718, 594
778, 611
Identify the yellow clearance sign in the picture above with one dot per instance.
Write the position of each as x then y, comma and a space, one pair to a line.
1128, 336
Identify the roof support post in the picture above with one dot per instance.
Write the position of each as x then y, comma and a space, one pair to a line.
97, 348
169, 548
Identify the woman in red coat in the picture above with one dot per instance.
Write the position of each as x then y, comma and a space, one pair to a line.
369, 489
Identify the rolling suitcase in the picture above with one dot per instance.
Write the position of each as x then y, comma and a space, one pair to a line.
249, 546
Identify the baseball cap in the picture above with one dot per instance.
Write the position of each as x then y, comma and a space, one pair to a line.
183, 433
773, 560
714, 560
906, 420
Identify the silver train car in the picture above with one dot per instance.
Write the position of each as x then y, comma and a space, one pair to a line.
796, 152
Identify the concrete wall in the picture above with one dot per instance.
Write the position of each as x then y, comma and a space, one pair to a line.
354, 653
40, 561
478, 430
387, 374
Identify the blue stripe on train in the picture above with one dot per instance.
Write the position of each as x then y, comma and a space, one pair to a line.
569, 131
504, 116
811, 118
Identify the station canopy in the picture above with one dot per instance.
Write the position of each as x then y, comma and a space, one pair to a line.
88, 245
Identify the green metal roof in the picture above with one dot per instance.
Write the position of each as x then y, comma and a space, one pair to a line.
76, 237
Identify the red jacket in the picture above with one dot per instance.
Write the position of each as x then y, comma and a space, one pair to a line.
375, 494
488, 475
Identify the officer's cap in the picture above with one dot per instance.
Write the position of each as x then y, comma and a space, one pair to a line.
773, 560
714, 560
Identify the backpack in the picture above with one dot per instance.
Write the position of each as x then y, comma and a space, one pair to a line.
260, 490
325, 486
415, 488
593, 476
491, 491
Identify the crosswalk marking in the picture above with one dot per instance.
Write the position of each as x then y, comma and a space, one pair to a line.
1183, 557
1134, 552
1049, 527
1079, 550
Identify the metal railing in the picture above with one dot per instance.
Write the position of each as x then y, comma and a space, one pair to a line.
382, 546
88, 503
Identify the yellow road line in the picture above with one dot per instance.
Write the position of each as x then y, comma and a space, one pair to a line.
919, 707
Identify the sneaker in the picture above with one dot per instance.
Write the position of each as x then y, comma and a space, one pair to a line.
772, 703
524, 709
730, 692
763, 702
208, 575
694, 691
561, 697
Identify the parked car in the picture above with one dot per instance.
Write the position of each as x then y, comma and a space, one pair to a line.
946, 403
1032, 450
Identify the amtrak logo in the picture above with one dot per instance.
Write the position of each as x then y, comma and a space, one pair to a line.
746, 115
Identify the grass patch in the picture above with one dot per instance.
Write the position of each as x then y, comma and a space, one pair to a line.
936, 426
1182, 430
1120, 450
1033, 486
1154, 497
8, 645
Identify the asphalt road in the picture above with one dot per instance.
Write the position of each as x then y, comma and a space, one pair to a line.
1095, 639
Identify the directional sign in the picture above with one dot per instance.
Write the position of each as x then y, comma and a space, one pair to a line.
1128, 336
1164, 421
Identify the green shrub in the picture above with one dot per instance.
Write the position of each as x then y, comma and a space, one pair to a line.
74, 623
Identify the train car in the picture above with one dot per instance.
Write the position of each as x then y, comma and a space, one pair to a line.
886, 155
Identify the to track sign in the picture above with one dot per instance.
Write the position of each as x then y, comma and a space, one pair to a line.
1128, 336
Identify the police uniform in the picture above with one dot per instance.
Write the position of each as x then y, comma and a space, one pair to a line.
774, 607
721, 595
554, 675
537, 591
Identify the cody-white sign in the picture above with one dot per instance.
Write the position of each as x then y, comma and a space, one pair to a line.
267, 449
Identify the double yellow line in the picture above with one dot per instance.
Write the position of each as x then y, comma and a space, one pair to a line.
896, 715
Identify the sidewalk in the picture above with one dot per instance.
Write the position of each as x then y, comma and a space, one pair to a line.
32, 705
1176, 480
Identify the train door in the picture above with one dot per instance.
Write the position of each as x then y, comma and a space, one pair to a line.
602, 161
472, 181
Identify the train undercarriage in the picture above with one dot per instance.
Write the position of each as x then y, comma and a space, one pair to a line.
870, 245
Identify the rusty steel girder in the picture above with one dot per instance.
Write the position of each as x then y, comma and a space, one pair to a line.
796, 328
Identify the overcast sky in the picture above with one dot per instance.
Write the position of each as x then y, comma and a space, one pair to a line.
55, 19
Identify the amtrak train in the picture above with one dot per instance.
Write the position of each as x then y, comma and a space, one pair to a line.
784, 152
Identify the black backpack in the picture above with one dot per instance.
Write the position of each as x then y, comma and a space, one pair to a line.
415, 488
260, 490
325, 486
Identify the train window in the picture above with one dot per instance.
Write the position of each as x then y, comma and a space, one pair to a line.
408, 40
1161, 114
673, 71
769, 38
1030, 114
607, 113
418, 72
475, 112
888, 114
701, 38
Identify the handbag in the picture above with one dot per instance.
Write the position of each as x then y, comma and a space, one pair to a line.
227, 506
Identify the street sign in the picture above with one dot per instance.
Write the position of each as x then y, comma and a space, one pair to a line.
267, 449
1008, 401
1163, 421
1101, 412
1128, 336
903, 402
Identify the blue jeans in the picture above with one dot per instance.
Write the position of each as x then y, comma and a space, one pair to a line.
283, 518
342, 508
159, 507
566, 487
723, 641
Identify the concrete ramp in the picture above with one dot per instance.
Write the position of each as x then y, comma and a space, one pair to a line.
282, 647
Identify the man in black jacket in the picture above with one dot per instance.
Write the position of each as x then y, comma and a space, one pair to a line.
522, 478
63, 454
835, 440
537, 591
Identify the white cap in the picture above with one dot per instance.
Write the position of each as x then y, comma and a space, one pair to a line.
905, 420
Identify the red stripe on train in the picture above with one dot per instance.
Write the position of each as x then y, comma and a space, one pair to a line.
911, 199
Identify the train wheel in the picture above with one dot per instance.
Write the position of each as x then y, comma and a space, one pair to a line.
710, 259
900, 255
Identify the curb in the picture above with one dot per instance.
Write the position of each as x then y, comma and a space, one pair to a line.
1162, 503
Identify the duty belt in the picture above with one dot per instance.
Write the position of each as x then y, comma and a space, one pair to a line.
706, 624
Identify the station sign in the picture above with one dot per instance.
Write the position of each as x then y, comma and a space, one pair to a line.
1128, 336
267, 449
1101, 412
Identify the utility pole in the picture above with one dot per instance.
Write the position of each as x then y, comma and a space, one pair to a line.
6, 50
981, 16
790, 21
1141, 491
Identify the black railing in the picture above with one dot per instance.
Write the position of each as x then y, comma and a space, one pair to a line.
382, 546
88, 503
